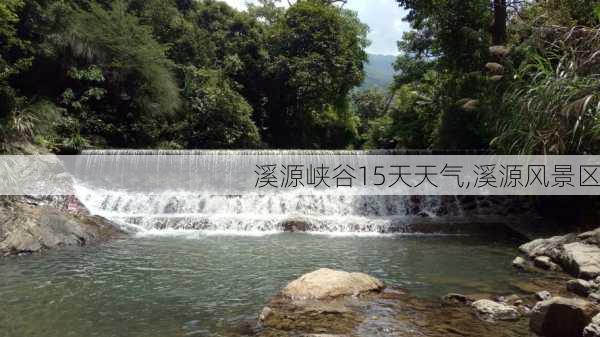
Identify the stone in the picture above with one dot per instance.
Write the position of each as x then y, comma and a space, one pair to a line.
580, 287
265, 313
561, 317
591, 237
455, 299
512, 300
595, 297
328, 283
581, 259
496, 78
551, 247
520, 263
26, 229
488, 310
544, 262
294, 225
543, 295
470, 105
499, 51
494, 68
593, 329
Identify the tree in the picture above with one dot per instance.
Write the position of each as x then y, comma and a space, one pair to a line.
499, 25
369, 105
215, 115
110, 74
317, 52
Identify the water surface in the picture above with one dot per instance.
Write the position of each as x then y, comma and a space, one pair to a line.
209, 285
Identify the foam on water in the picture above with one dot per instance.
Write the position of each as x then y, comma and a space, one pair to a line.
174, 212
248, 214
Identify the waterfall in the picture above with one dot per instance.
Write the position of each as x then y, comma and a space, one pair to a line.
270, 212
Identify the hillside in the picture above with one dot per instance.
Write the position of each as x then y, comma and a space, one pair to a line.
379, 71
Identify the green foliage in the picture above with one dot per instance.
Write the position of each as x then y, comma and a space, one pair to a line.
317, 58
215, 115
409, 121
116, 78
455, 31
438, 71
21, 120
553, 107
564, 13
370, 104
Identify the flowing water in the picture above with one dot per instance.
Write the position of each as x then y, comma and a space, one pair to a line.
204, 265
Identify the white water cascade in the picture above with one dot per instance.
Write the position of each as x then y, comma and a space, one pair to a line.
273, 212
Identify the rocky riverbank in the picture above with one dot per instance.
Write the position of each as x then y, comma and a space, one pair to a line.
29, 225
335, 303
339, 304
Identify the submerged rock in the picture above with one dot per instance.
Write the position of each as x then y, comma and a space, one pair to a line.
328, 283
25, 229
454, 299
561, 317
489, 310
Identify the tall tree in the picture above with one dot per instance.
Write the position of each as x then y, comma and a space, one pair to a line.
500, 19
318, 52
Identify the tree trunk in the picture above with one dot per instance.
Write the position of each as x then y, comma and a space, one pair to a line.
500, 18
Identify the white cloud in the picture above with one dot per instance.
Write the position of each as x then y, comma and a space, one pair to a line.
384, 18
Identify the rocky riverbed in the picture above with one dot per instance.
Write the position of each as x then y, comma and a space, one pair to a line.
554, 304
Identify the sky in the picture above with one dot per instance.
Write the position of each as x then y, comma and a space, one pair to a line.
384, 18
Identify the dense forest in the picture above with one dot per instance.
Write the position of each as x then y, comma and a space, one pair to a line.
512, 76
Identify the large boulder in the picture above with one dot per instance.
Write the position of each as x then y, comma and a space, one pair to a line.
493, 311
561, 317
551, 247
577, 254
323, 301
581, 259
328, 283
26, 228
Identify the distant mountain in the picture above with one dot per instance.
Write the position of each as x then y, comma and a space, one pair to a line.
379, 71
